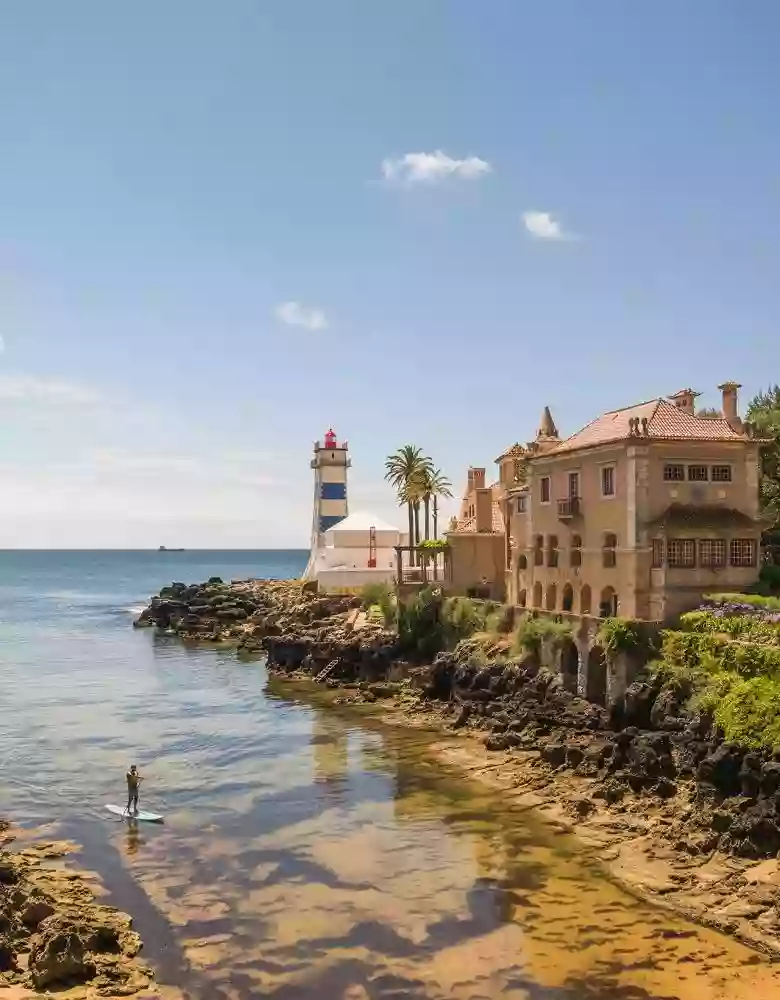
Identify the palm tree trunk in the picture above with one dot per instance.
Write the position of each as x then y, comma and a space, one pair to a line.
417, 522
411, 532
427, 502
435, 516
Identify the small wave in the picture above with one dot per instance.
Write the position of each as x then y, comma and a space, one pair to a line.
134, 609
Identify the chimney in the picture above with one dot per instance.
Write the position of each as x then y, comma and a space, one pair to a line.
477, 478
484, 509
730, 392
684, 400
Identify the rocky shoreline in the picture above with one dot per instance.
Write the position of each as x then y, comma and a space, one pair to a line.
54, 935
673, 811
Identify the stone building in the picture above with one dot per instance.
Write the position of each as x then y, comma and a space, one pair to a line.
477, 540
638, 514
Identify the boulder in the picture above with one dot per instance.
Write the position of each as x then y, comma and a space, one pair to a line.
59, 955
721, 769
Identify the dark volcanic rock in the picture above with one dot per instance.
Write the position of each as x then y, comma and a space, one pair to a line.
721, 769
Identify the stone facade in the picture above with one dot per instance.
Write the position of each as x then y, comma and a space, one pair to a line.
638, 514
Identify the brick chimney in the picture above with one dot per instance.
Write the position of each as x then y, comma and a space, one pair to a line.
477, 479
730, 392
484, 509
685, 400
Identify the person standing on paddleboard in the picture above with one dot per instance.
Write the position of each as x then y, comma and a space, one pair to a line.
133, 781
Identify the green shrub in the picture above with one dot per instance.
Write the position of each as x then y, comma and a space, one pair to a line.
421, 629
749, 659
747, 711
736, 626
462, 617
531, 633
620, 635
758, 601
500, 620
434, 545
375, 593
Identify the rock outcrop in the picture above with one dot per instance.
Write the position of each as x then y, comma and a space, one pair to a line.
647, 743
53, 935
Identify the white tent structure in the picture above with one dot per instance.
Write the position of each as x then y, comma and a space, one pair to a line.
359, 549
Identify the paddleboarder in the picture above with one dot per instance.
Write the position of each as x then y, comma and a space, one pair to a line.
134, 779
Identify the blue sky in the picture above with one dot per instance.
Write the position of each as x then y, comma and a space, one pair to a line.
214, 242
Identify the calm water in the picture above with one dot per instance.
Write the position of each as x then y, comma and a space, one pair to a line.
305, 854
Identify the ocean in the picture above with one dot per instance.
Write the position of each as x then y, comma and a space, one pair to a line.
308, 853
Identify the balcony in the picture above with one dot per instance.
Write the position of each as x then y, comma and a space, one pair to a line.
568, 508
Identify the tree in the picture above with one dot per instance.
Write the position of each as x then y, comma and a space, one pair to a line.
764, 412
435, 485
709, 413
404, 470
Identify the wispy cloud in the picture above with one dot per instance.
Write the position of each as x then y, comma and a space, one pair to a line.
295, 314
2, 344
544, 226
53, 391
428, 168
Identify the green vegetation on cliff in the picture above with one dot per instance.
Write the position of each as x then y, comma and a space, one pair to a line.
725, 659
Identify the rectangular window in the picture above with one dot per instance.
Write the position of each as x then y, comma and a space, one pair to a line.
552, 550
698, 473
544, 489
658, 553
608, 481
743, 552
712, 552
721, 473
521, 505
674, 473
539, 551
333, 491
681, 553
574, 485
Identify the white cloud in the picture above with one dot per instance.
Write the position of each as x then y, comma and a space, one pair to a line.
544, 226
295, 314
422, 168
31, 389
2, 344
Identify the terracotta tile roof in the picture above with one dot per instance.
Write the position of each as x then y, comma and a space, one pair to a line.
665, 421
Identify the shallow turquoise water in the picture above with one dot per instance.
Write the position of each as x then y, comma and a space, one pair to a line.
305, 854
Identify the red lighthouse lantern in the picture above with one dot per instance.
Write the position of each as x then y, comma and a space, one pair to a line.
330, 439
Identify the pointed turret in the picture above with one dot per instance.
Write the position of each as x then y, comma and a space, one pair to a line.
547, 428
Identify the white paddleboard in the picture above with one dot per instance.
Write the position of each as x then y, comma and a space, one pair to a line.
141, 816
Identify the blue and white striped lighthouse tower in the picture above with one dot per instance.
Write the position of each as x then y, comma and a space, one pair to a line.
330, 464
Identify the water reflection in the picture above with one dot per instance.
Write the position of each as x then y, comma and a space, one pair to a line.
133, 838
313, 856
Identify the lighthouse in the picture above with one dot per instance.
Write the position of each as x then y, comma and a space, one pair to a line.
330, 464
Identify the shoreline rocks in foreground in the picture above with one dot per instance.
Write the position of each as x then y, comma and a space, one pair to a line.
645, 759
53, 933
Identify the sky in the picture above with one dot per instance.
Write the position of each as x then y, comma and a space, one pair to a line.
225, 227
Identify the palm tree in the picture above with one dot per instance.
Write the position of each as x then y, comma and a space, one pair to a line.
434, 485
403, 470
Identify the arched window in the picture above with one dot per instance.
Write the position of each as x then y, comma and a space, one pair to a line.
538, 550
585, 600
575, 553
537, 595
552, 550
522, 561
567, 598
521, 598
551, 597
608, 604
609, 550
